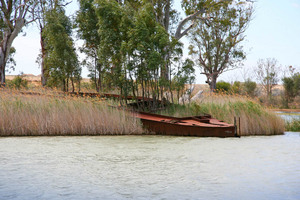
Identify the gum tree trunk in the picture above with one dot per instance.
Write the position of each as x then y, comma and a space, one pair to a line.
43, 67
6, 43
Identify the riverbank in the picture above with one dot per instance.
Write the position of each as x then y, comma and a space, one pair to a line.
40, 115
51, 113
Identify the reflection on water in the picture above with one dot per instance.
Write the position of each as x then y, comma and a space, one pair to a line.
150, 167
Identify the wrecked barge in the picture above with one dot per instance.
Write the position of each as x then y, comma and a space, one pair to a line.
197, 126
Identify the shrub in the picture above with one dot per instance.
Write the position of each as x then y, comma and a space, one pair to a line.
223, 86
18, 82
249, 87
237, 87
291, 86
293, 125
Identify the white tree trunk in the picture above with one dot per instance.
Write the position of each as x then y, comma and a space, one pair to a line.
6, 44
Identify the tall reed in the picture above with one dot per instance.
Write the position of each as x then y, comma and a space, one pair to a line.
23, 115
255, 119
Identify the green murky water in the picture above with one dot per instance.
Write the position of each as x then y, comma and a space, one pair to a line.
150, 167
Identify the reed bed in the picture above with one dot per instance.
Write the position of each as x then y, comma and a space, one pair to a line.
34, 115
254, 118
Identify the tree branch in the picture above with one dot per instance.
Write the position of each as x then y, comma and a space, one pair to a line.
180, 34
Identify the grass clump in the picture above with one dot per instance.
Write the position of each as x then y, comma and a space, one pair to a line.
255, 119
293, 125
23, 115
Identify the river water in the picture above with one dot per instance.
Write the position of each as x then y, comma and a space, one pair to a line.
150, 167
288, 116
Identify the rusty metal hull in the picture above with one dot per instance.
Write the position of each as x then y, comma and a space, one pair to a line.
189, 126
179, 130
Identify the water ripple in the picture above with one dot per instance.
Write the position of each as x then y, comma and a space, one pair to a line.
150, 167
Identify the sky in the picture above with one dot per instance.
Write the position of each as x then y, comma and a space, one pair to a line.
274, 32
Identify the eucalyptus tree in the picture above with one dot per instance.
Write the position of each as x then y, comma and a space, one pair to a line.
185, 74
87, 25
42, 8
216, 41
197, 11
132, 47
113, 22
14, 15
267, 73
145, 49
61, 59
291, 86
10, 63
167, 17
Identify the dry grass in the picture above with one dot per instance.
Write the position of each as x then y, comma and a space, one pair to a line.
33, 115
53, 113
255, 119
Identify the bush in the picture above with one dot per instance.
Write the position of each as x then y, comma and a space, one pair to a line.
291, 86
17, 83
223, 86
249, 87
293, 125
237, 87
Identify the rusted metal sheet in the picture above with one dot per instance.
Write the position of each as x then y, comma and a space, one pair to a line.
199, 126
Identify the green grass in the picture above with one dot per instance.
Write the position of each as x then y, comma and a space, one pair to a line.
294, 125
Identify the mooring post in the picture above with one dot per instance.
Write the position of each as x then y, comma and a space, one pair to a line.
239, 126
235, 127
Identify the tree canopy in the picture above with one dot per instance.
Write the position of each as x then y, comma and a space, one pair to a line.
61, 59
14, 15
216, 39
131, 45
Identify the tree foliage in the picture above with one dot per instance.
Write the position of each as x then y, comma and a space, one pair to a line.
87, 26
14, 15
249, 87
61, 59
133, 46
185, 75
236, 87
44, 6
223, 86
291, 85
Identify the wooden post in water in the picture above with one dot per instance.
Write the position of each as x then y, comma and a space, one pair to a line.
235, 127
239, 127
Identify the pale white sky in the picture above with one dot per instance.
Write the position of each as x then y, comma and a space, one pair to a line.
273, 33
